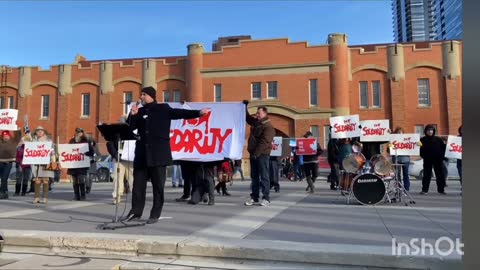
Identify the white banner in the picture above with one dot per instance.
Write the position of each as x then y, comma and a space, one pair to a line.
276, 147
375, 131
404, 144
8, 119
128, 151
73, 156
37, 153
454, 147
345, 126
219, 134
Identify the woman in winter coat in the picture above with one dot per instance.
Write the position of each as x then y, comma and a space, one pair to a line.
79, 175
40, 174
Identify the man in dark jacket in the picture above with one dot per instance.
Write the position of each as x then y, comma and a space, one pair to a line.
310, 165
152, 150
332, 151
259, 147
432, 151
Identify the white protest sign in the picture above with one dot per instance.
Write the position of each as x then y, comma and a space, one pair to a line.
73, 156
128, 151
37, 153
454, 147
404, 144
8, 119
276, 147
217, 135
375, 131
345, 126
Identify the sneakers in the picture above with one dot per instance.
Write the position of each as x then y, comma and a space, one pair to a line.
423, 193
251, 202
265, 203
152, 220
131, 217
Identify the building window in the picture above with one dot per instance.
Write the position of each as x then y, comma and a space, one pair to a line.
419, 129
85, 105
166, 96
11, 104
127, 99
176, 96
45, 113
2, 103
256, 90
272, 90
314, 130
326, 136
218, 92
363, 95
376, 94
423, 92
313, 92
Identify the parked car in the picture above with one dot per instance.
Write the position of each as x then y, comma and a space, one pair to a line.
416, 169
102, 169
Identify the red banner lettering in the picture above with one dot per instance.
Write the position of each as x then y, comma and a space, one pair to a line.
37, 153
404, 145
455, 148
72, 157
190, 140
343, 128
6, 120
373, 131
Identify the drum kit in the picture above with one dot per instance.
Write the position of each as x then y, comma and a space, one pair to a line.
373, 181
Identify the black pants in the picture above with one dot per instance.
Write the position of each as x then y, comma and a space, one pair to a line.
157, 175
188, 174
260, 177
311, 170
334, 171
437, 165
459, 168
205, 183
274, 174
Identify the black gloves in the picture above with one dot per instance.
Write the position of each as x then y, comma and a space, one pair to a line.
245, 102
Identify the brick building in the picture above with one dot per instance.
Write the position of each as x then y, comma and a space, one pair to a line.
412, 84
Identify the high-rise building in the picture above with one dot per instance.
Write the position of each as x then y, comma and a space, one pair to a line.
448, 15
422, 20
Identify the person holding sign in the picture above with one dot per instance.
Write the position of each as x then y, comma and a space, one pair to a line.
152, 152
42, 176
8, 148
404, 161
259, 147
79, 175
432, 151
310, 165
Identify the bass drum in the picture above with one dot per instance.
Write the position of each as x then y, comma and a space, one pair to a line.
368, 189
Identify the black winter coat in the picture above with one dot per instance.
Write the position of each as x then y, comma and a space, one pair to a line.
153, 124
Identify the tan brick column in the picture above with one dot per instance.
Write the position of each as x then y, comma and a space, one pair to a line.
396, 74
339, 73
194, 77
453, 87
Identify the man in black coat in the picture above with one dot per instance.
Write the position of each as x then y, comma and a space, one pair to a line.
152, 151
432, 151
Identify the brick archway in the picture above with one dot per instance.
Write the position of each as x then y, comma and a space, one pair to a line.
284, 126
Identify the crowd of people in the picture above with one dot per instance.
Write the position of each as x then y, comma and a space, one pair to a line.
153, 156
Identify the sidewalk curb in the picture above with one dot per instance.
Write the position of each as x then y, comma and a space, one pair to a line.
316, 253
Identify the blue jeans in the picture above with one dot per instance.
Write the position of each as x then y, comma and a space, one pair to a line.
5, 168
177, 175
406, 178
259, 170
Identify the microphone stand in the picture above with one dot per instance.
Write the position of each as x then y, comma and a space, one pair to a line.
115, 133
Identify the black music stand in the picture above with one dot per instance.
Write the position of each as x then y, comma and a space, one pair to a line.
117, 132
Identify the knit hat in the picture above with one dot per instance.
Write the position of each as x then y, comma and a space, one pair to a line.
79, 130
309, 133
6, 133
39, 128
150, 91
